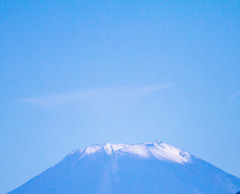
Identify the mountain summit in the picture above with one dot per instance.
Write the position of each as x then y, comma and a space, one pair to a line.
157, 150
141, 168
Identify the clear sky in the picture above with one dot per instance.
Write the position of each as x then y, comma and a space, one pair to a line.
76, 73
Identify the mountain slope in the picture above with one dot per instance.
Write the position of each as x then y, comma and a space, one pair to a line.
141, 168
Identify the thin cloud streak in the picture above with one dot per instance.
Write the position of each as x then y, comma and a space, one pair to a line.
234, 96
96, 97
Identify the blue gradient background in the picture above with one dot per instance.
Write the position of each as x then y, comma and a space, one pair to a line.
52, 48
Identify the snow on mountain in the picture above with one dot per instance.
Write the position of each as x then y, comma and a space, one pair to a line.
157, 149
141, 168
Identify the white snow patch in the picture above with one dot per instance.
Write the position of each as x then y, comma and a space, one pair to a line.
139, 150
157, 149
164, 151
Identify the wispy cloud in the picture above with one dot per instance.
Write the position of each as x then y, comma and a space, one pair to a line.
96, 97
234, 96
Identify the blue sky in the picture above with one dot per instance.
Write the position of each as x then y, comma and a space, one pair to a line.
76, 73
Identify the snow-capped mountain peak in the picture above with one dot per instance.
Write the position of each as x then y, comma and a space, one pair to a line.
157, 149
140, 168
